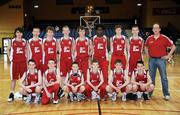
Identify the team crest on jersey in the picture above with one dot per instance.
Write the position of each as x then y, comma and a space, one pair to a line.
23, 44
32, 44
139, 42
69, 42
78, 78
86, 43
97, 76
53, 43
35, 76
122, 41
104, 40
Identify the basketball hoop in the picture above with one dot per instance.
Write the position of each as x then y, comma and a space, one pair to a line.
88, 22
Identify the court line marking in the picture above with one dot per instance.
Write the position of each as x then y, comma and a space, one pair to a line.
103, 113
104, 109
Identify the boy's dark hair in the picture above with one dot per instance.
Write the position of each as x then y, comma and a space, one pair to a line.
74, 63
117, 61
117, 26
31, 60
99, 26
135, 26
50, 28
80, 28
140, 62
94, 61
36, 28
20, 29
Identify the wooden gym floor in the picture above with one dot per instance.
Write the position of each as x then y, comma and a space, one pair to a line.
156, 106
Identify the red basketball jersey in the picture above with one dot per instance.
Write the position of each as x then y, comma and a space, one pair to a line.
118, 78
32, 78
18, 50
135, 47
75, 79
50, 76
95, 77
100, 46
49, 50
141, 78
66, 47
82, 48
36, 50
118, 45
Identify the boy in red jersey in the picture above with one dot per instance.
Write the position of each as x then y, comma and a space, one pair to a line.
135, 49
74, 83
51, 84
66, 50
118, 82
118, 46
141, 80
49, 47
17, 53
100, 52
95, 82
82, 51
35, 48
31, 82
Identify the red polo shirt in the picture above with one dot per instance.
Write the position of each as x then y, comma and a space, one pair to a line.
157, 47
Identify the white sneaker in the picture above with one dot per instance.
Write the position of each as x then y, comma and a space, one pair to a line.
29, 98
78, 96
37, 98
55, 102
71, 96
114, 96
94, 95
139, 95
124, 97
167, 97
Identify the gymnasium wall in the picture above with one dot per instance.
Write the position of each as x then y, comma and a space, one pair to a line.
162, 19
47, 9
10, 18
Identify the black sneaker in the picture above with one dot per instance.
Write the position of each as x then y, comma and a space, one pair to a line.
24, 97
129, 96
11, 97
134, 97
61, 93
145, 96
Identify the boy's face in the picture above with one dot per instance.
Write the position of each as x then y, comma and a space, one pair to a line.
135, 31
81, 32
140, 66
156, 29
66, 31
118, 30
50, 33
99, 31
19, 34
118, 66
51, 64
95, 65
36, 32
31, 65
75, 67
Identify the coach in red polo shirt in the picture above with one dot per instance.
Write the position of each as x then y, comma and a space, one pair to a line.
155, 47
